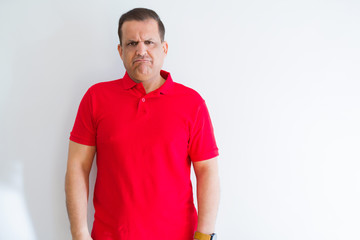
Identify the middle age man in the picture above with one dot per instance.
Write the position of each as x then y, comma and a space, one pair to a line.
146, 131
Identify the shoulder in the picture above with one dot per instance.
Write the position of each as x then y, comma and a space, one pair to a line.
105, 86
184, 92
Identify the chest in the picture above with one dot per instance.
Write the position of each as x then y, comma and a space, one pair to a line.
142, 120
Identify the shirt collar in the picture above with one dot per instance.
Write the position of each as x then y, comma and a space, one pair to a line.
128, 83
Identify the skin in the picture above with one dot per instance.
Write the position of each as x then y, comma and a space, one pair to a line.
143, 55
208, 194
80, 158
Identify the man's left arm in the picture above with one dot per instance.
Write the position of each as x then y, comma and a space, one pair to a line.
208, 194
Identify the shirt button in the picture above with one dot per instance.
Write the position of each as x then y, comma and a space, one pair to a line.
143, 99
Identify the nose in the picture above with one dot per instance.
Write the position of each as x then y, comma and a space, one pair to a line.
141, 49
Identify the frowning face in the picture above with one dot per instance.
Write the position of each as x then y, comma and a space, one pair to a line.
142, 51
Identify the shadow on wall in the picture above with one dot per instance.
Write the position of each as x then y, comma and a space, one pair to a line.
15, 220
38, 118
53, 57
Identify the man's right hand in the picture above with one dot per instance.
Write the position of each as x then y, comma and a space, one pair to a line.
83, 238
82, 235
87, 237
77, 188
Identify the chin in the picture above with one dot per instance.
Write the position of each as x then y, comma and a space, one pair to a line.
143, 76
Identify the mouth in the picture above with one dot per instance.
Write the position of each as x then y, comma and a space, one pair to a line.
141, 60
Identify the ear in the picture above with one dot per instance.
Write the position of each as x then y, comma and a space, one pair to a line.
165, 47
120, 50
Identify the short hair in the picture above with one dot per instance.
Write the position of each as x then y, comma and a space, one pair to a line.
141, 14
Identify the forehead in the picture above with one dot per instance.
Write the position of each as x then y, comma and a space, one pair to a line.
140, 29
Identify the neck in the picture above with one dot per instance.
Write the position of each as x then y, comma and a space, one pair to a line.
150, 86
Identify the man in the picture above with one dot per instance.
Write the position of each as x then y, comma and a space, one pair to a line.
146, 131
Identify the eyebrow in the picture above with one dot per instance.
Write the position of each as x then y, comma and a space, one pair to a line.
149, 39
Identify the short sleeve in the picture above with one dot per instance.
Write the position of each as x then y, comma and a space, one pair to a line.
84, 131
202, 144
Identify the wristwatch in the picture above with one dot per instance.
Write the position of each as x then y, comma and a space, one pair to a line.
203, 236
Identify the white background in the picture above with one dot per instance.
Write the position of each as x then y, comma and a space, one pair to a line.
280, 78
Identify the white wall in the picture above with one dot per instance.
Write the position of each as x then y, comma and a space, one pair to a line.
281, 80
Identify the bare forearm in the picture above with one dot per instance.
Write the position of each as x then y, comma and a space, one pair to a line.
77, 191
208, 195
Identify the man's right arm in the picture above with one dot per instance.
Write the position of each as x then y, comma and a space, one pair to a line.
79, 164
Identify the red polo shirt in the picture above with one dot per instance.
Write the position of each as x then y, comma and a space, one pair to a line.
145, 144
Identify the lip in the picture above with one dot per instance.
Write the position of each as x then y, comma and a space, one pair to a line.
142, 60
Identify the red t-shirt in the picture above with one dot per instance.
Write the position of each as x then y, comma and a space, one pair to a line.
145, 144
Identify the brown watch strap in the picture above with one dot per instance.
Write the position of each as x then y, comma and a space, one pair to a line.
202, 236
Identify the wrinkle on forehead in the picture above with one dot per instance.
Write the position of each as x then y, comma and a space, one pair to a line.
140, 30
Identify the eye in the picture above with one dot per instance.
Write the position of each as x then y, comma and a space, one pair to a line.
132, 44
149, 42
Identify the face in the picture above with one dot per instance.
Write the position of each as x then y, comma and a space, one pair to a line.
142, 51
